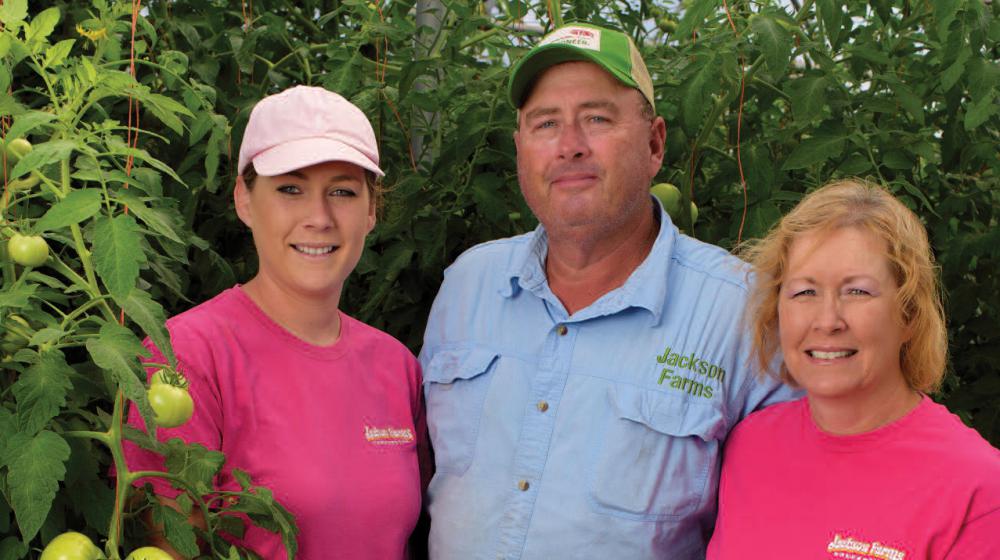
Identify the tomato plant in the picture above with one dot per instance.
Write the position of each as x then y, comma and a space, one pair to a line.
71, 546
105, 222
171, 404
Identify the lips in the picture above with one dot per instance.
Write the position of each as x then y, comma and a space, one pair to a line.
315, 250
830, 354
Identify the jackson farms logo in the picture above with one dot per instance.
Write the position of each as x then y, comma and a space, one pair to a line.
690, 374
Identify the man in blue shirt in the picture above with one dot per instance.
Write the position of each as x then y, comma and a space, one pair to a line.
581, 378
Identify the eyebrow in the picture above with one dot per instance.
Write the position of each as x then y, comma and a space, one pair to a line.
846, 280
334, 179
596, 104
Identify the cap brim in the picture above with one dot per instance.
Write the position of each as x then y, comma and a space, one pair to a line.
309, 151
544, 57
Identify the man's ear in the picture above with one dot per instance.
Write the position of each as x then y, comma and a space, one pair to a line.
657, 143
241, 198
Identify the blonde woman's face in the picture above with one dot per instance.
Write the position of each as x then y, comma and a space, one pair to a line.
840, 327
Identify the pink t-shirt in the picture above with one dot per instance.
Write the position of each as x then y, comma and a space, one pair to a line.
925, 487
338, 433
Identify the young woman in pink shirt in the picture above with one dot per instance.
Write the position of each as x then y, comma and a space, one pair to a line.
866, 466
322, 409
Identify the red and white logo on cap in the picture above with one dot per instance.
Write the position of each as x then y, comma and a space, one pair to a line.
582, 37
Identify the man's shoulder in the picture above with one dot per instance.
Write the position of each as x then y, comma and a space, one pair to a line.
491, 256
709, 261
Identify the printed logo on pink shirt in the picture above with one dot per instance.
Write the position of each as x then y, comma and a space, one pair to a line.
388, 435
850, 548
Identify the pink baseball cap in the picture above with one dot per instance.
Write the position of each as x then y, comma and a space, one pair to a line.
303, 126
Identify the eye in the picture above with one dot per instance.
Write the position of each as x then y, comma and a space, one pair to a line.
343, 191
546, 124
598, 119
289, 189
803, 292
858, 292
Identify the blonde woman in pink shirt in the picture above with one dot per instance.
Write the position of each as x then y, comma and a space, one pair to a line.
866, 465
322, 409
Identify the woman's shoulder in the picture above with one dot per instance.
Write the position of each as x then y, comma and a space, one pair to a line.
966, 448
768, 424
218, 309
372, 339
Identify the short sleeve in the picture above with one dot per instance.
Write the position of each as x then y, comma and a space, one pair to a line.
978, 539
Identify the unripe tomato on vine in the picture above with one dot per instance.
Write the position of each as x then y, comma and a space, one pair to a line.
71, 546
168, 395
149, 553
28, 250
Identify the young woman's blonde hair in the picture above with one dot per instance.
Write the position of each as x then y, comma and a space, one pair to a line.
856, 203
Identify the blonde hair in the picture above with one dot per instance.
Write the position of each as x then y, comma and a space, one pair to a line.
856, 203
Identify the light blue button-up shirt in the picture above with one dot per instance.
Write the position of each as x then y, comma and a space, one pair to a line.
592, 435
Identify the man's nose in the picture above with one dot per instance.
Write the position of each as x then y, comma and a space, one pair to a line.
573, 142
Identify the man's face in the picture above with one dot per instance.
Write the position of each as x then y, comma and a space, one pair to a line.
585, 152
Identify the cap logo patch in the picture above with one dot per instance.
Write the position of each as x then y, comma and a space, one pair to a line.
582, 37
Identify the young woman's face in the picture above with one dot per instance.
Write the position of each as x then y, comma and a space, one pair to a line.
840, 326
309, 226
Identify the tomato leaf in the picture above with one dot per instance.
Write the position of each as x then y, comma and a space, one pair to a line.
41, 391
815, 150
118, 253
178, 531
774, 41
28, 122
116, 350
17, 296
75, 208
13, 12
808, 96
150, 317
43, 154
35, 469
195, 463
11, 548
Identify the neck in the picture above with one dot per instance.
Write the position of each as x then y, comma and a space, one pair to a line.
582, 268
313, 320
857, 415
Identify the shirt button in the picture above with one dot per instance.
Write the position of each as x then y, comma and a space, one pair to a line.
542, 406
562, 330
523, 485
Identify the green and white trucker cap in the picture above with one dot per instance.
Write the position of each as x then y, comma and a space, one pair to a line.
612, 50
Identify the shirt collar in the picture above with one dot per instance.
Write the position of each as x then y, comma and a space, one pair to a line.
645, 288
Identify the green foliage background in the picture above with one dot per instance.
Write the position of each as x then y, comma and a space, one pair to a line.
901, 91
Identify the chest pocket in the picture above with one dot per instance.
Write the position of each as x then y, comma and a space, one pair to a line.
656, 456
455, 386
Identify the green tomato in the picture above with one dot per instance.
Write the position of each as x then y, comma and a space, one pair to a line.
18, 148
173, 405
24, 183
28, 250
670, 197
149, 553
694, 212
71, 546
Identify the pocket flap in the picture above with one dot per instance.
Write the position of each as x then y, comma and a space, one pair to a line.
668, 414
448, 366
